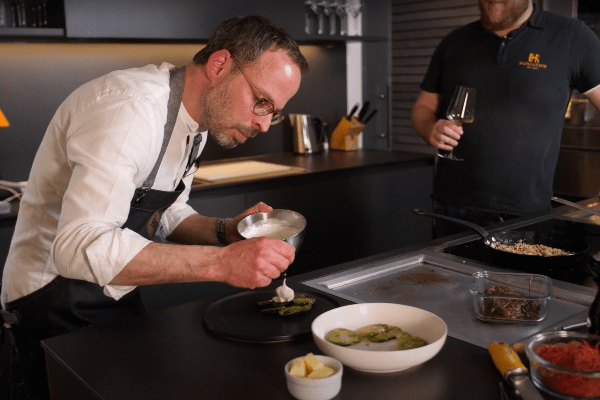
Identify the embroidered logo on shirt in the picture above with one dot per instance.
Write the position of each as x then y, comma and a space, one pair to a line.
533, 62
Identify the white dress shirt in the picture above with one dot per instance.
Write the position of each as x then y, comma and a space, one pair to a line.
100, 146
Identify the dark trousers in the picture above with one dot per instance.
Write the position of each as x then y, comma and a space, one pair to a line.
27, 367
480, 217
62, 306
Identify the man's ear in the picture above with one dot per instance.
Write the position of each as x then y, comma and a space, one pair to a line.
218, 64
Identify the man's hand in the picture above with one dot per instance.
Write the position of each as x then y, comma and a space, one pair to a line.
231, 233
439, 133
254, 262
445, 134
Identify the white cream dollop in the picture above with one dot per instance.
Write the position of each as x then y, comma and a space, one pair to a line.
283, 293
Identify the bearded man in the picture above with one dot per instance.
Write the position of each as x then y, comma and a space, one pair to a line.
115, 168
524, 64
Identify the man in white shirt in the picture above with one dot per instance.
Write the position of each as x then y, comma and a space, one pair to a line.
114, 169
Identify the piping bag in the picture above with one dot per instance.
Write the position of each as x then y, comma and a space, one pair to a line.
513, 371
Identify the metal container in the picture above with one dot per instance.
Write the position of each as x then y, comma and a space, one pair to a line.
286, 225
306, 133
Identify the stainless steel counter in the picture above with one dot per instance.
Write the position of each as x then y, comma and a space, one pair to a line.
439, 283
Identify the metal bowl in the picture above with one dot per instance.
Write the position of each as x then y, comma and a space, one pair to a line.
285, 225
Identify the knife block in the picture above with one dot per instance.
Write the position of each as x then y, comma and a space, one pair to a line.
345, 134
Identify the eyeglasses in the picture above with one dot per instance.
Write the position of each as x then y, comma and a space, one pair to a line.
263, 106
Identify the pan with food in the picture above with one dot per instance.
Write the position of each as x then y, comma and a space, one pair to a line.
534, 251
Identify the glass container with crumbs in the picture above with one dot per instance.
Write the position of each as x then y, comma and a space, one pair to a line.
511, 297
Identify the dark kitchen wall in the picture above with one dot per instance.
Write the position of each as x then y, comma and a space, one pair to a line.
36, 77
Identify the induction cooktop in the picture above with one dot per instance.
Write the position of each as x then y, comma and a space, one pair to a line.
576, 273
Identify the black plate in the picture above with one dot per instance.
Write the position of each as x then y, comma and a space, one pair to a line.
238, 317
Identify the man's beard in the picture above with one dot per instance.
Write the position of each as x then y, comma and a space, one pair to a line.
216, 107
513, 11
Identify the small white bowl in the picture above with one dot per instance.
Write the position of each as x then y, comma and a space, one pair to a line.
316, 389
380, 357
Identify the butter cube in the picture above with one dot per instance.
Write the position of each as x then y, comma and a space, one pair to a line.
312, 363
298, 368
322, 372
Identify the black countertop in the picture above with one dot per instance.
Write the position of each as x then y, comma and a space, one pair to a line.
171, 354
316, 165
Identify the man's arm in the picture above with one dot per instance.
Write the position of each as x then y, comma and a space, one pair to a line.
594, 97
244, 263
442, 133
248, 263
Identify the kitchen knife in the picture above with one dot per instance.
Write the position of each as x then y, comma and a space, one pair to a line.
351, 113
368, 118
512, 369
363, 110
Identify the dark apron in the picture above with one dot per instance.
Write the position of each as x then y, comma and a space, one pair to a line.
65, 305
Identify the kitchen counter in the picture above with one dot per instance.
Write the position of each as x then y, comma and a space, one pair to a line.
322, 164
171, 354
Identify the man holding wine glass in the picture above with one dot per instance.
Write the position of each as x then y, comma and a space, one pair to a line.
524, 64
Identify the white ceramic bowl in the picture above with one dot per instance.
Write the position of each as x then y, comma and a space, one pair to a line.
380, 357
316, 389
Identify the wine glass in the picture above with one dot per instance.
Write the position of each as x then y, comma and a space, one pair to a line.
342, 13
323, 13
311, 9
460, 111
333, 5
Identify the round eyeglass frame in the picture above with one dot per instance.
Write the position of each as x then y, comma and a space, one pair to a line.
263, 106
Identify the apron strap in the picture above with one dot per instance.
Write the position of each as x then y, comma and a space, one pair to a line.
176, 85
8, 318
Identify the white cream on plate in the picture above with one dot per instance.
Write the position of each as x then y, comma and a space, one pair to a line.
283, 293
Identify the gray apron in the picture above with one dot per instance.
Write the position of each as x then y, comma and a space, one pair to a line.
65, 305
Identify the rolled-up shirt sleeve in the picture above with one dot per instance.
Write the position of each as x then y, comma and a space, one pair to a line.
108, 150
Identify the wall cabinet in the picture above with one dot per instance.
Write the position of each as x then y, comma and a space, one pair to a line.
154, 20
177, 19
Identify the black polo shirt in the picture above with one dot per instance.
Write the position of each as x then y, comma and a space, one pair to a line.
524, 82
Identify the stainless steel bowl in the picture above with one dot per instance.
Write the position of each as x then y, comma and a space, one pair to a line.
286, 225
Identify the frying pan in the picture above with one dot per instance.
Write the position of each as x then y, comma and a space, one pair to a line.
531, 263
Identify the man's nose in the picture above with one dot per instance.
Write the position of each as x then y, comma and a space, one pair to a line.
264, 122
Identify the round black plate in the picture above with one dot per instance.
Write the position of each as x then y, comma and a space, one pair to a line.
238, 317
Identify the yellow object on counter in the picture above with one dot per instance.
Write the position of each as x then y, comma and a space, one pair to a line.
345, 134
310, 367
298, 368
504, 357
322, 372
312, 362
